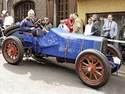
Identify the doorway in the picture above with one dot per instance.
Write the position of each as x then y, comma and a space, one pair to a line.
21, 9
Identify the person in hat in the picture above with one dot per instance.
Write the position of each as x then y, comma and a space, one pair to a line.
27, 24
29, 20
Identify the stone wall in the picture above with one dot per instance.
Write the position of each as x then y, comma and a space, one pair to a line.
0, 6
40, 7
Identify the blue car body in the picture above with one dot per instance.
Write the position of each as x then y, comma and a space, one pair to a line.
59, 43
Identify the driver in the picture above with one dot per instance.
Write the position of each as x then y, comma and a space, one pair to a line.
28, 23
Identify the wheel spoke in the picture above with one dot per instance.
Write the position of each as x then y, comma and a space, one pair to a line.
95, 76
98, 68
98, 73
84, 63
90, 75
88, 61
84, 67
96, 63
86, 72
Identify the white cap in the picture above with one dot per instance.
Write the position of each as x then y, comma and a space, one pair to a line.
31, 12
4, 11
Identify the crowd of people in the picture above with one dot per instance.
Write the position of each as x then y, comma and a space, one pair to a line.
96, 26
100, 26
73, 24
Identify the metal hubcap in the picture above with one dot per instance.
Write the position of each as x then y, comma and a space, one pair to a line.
11, 50
91, 68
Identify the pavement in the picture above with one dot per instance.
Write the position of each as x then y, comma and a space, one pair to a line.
51, 78
33, 78
121, 72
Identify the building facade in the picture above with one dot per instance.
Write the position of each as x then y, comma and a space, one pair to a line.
102, 7
54, 9
19, 8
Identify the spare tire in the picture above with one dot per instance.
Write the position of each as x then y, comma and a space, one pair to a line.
10, 28
12, 31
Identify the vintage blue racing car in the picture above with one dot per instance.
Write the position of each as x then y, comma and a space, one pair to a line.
93, 57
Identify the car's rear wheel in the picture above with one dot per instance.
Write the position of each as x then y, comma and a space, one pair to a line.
92, 68
12, 50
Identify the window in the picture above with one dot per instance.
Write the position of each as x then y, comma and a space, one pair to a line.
62, 10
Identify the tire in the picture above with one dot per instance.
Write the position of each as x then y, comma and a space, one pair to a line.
12, 50
87, 63
113, 51
7, 30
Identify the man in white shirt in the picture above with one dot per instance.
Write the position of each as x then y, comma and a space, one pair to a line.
8, 21
110, 27
88, 27
63, 26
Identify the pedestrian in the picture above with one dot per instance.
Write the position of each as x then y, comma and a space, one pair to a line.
88, 27
8, 21
110, 28
70, 22
47, 24
2, 17
96, 28
77, 26
63, 26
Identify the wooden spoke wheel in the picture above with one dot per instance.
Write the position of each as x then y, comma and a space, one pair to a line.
12, 50
93, 68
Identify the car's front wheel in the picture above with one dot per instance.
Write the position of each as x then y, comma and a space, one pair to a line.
92, 68
12, 50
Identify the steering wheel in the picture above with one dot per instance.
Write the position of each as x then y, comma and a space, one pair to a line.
38, 24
